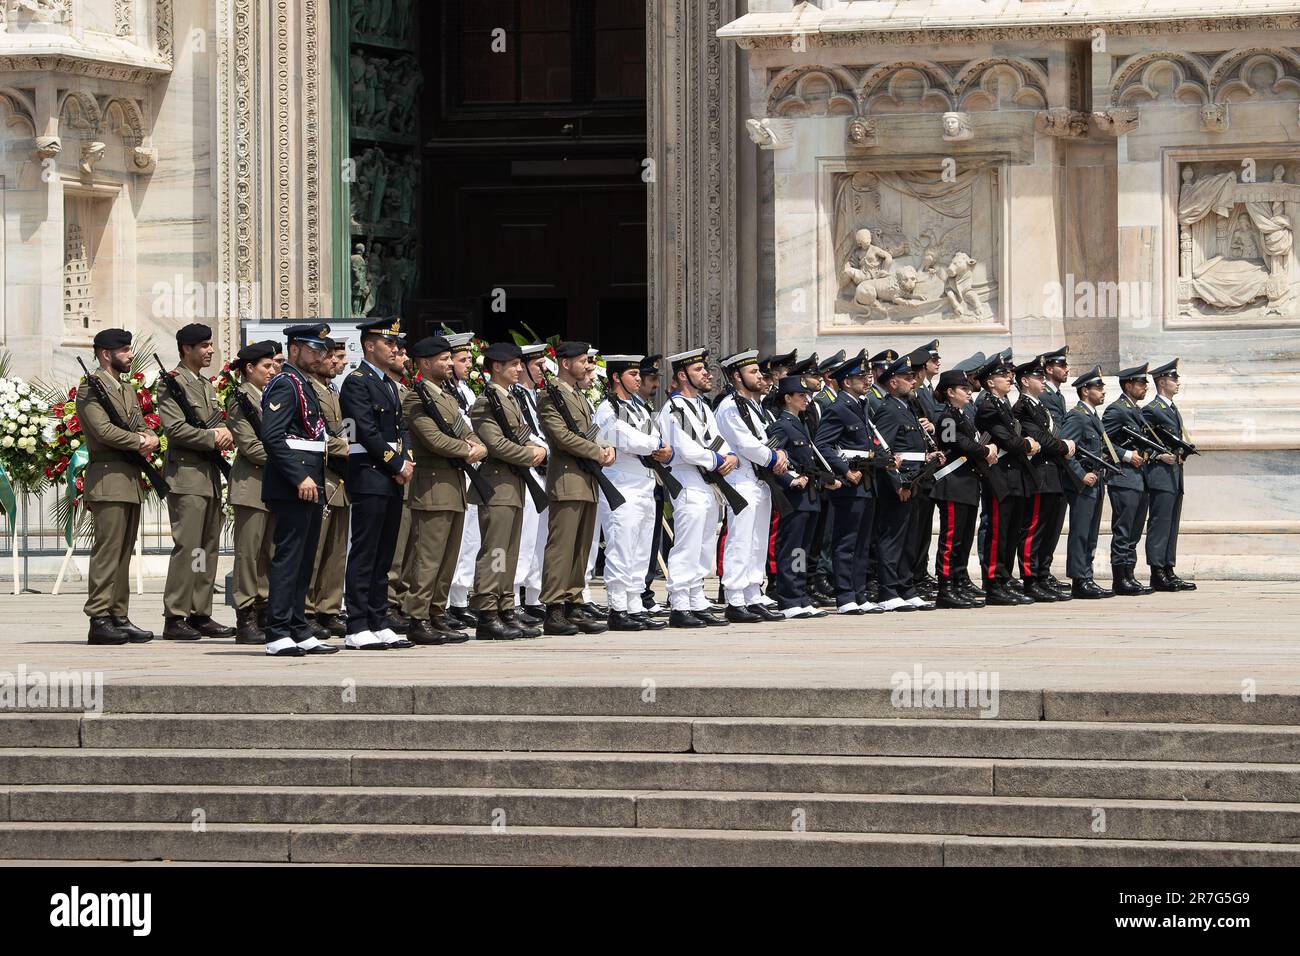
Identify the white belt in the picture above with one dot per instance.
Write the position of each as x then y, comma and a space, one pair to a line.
358, 449
912, 455
305, 444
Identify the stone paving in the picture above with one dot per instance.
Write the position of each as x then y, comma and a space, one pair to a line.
1210, 640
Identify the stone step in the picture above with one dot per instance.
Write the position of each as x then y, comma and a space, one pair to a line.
1065, 818
610, 846
916, 737
794, 773
636, 700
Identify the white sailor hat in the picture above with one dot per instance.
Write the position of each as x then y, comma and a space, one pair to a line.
533, 349
617, 363
740, 360
684, 360
459, 341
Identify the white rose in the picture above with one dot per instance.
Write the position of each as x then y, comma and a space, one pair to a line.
22, 419
7, 442
24, 406
24, 388
75, 443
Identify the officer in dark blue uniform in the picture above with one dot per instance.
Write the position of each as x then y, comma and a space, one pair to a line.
794, 532
1056, 368
380, 463
895, 504
293, 488
927, 410
1083, 427
845, 436
1128, 492
1165, 481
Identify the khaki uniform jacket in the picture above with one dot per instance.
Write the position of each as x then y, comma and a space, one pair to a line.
187, 468
108, 476
437, 485
336, 496
502, 451
246, 472
565, 481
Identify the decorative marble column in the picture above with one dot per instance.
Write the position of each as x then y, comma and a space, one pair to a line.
691, 133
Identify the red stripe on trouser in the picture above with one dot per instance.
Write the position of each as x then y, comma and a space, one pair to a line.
1028, 569
994, 521
947, 539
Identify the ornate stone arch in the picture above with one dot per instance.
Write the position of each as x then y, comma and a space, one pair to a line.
19, 108
124, 116
1254, 73
1140, 78
887, 86
977, 84
79, 112
812, 91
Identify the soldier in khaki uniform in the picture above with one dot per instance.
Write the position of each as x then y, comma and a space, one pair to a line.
572, 519
254, 524
194, 505
325, 595
499, 424
112, 488
436, 496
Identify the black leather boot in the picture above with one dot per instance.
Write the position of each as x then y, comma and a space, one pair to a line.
451, 633
208, 627
104, 631
136, 635
684, 619
580, 618
1086, 589
1039, 591
1178, 582
260, 608
558, 623
419, 632
1122, 583
179, 629
1144, 588
246, 629
622, 621
1160, 580
333, 624
649, 623
739, 614
492, 628
950, 595
511, 617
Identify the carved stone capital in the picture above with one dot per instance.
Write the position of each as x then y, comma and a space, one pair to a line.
769, 133
957, 127
144, 160
1214, 118
1115, 122
47, 147
862, 133
1063, 122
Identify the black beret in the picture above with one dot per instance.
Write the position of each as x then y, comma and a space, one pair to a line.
505, 352
193, 334
429, 346
255, 352
571, 349
112, 339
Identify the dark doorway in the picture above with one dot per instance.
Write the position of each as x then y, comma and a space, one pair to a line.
533, 207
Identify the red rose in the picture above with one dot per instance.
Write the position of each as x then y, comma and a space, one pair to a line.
74, 425
153, 421
49, 472
145, 400
138, 376
81, 483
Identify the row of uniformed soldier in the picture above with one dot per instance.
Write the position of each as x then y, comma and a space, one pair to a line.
324, 480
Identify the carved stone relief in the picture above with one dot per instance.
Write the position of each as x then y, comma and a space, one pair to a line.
911, 246
1236, 240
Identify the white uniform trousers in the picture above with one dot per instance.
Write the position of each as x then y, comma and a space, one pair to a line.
695, 540
528, 572
627, 548
744, 556
463, 579
594, 551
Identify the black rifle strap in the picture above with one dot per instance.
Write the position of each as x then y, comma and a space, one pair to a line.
252, 414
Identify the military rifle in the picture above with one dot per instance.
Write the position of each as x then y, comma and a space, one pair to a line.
661, 471
612, 495
134, 457
1181, 445
477, 481
192, 416
535, 491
